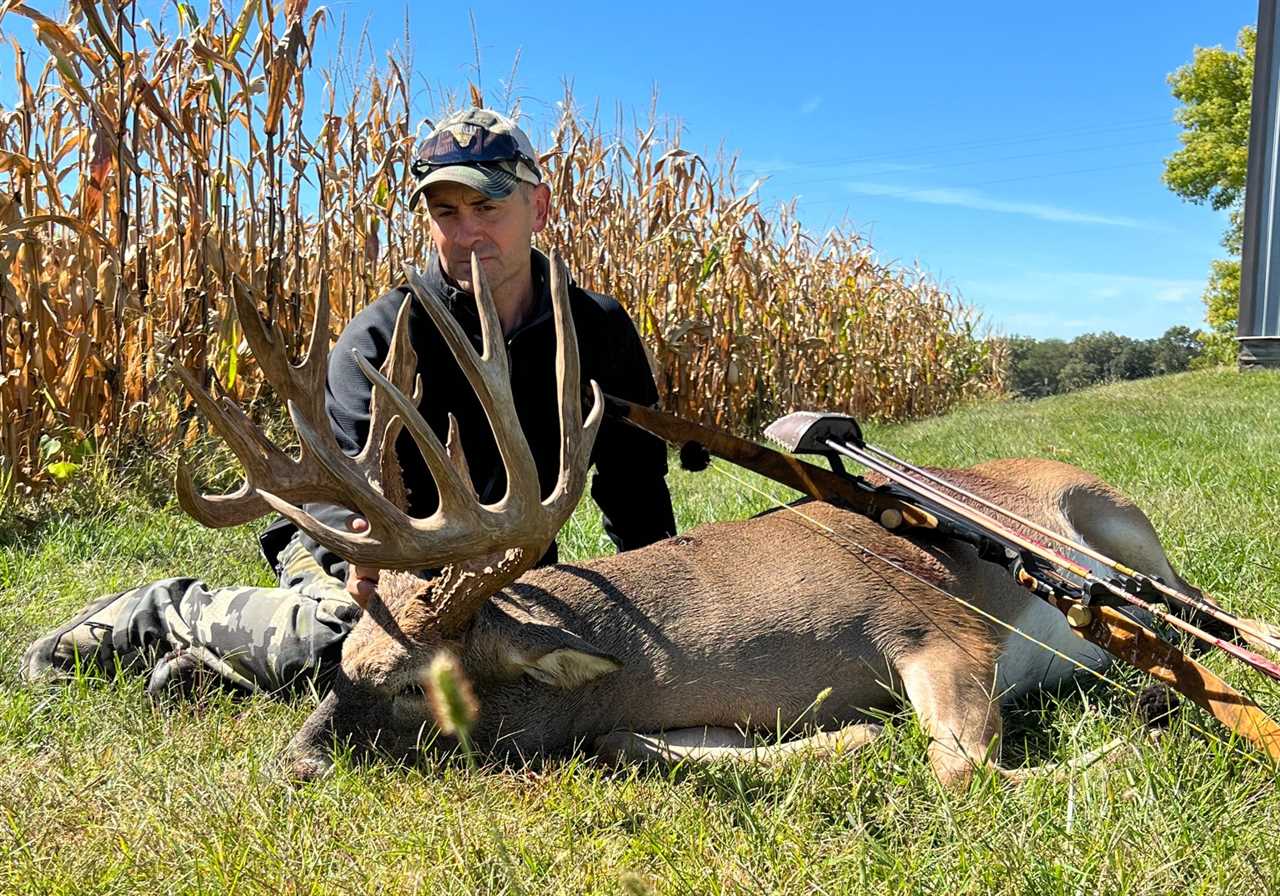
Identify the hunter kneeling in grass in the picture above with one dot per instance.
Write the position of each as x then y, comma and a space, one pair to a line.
484, 194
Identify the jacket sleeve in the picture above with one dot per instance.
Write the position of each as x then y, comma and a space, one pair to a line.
630, 483
347, 392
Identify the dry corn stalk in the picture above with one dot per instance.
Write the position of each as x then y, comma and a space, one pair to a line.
144, 169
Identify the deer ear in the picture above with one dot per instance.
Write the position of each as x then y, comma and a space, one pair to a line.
507, 643
569, 668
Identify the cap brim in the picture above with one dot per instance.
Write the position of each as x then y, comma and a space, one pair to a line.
492, 182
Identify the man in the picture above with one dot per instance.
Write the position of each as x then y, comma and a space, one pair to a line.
479, 180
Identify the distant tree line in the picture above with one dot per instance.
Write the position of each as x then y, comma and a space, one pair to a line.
1040, 367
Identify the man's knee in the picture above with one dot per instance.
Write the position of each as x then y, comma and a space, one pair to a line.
274, 636
266, 637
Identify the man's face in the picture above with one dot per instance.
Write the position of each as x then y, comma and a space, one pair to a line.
498, 231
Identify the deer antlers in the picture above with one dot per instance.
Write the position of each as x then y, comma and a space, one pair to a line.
370, 484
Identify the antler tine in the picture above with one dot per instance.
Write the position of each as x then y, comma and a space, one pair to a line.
499, 404
453, 448
266, 466
318, 346
302, 384
255, 454
390, 542
492, 344
217, 511
576, 438
378, 454
491, 380
456, 496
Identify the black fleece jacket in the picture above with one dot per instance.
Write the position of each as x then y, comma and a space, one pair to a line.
630, 465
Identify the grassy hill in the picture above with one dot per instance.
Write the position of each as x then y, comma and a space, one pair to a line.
101, 792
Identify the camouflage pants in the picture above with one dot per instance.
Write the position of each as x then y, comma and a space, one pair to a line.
258, 638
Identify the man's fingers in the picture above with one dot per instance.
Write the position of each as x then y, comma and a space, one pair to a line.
368, 573
362, 584
362, 590
362, 581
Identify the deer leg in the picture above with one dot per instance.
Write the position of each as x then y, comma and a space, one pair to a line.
712, 744
953, 693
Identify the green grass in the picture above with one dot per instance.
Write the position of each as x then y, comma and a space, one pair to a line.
100, 792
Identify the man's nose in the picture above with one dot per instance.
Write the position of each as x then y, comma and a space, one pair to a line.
469, 232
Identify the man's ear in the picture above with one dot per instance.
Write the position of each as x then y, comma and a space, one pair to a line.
507, 643
541, 199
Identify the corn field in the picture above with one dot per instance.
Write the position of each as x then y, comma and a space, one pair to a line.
143, 169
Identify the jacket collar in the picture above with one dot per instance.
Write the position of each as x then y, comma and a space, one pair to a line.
463, 304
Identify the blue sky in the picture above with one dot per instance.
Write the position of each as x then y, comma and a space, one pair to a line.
1013, 150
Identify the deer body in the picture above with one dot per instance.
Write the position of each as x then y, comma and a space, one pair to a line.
741, 625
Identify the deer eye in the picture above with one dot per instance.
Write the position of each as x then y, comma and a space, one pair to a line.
411, 704
412, 690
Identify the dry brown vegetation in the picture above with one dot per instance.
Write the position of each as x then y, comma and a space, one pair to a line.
148, 165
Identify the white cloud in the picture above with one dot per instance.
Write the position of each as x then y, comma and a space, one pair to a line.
1177, 294
809, 106
966, 198
1102, 285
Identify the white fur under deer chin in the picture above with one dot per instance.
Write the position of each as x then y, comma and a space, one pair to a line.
1044, 653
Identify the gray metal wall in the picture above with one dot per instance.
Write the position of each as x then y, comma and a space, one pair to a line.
1259, 327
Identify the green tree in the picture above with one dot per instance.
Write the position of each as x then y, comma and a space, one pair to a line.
1077, 373
1174, 351
1040, 367
1215, 90
1134, 361
1098, 353
1034, 365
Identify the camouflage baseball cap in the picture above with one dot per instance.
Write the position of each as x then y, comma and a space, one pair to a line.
477, 148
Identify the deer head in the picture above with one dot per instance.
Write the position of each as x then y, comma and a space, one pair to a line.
479, 548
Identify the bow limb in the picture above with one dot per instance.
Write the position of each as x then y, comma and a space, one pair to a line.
1146, 651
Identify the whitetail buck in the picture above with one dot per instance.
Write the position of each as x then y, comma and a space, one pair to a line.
668, 651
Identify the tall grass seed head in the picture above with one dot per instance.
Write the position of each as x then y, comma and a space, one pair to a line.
453, 702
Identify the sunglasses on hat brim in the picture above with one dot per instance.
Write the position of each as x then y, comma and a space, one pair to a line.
443, 149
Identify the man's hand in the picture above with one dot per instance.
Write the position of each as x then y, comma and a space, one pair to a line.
362, 581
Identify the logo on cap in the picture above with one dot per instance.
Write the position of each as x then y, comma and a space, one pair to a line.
464, 134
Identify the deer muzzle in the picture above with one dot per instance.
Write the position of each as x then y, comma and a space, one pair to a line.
393, 724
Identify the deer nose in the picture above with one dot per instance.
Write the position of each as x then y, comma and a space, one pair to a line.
313, 767
308, 757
